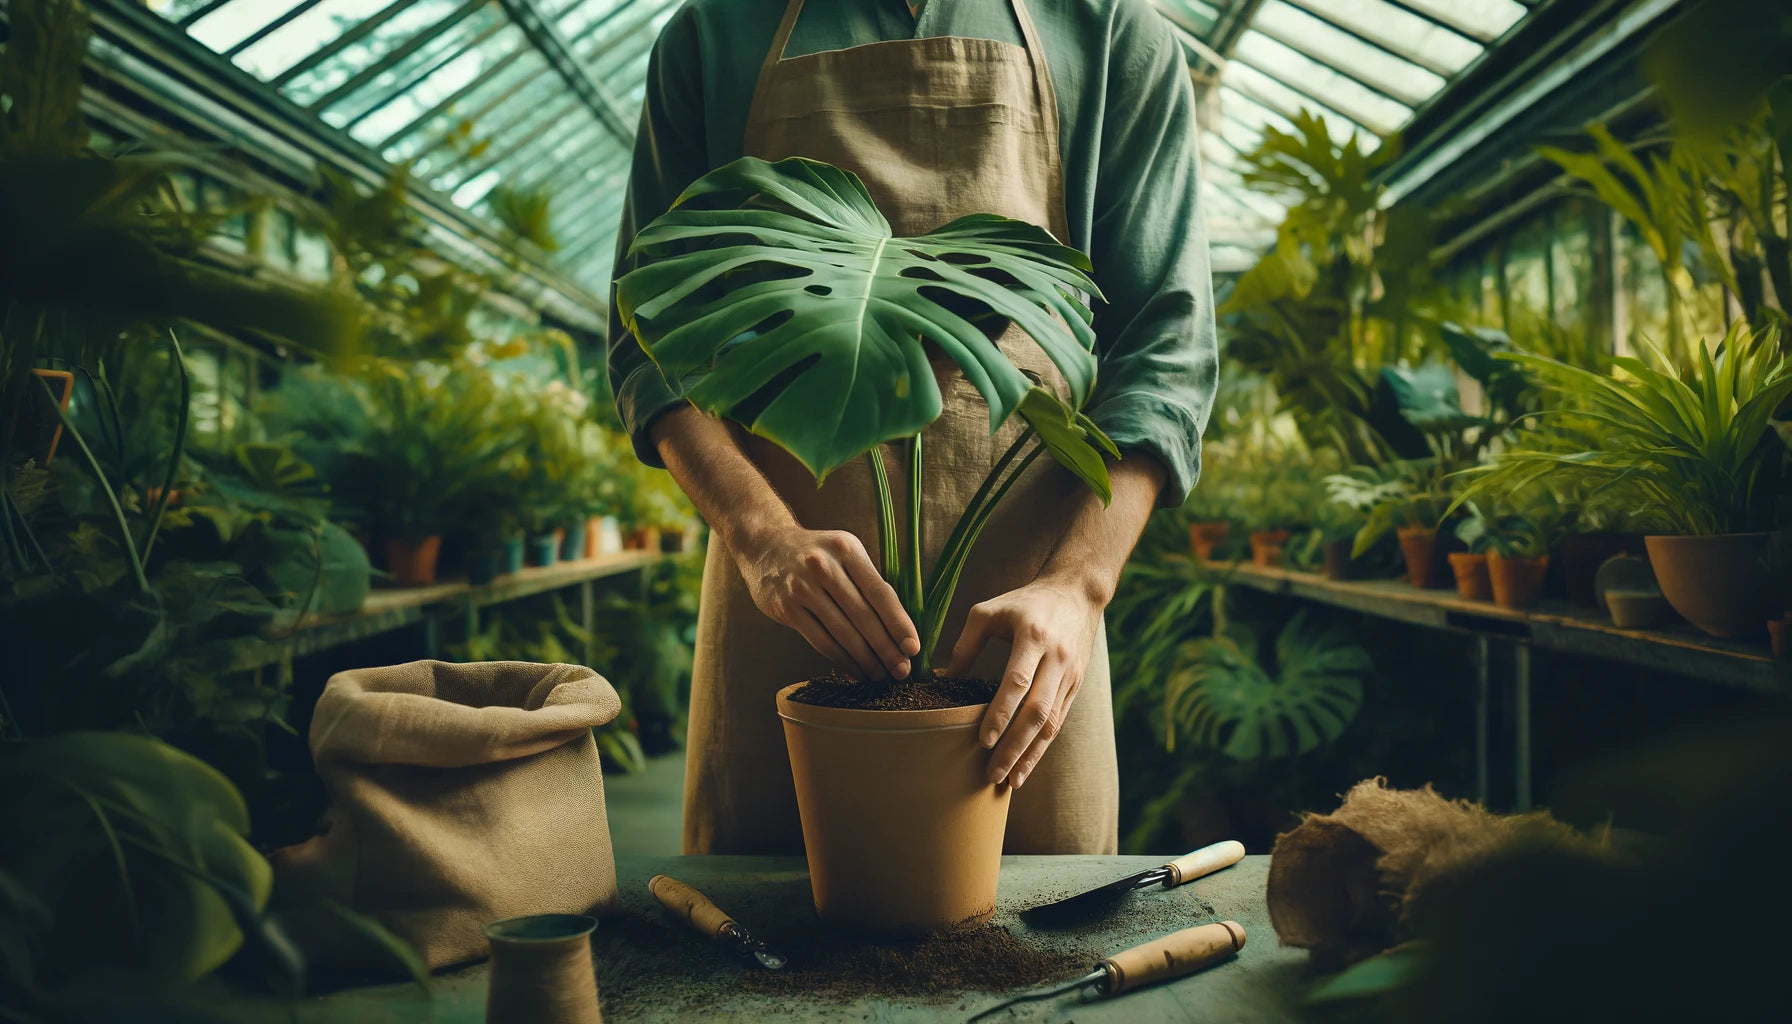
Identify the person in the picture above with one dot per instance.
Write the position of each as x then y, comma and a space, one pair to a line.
1076, 115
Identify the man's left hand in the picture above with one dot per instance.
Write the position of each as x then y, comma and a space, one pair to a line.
1052, 628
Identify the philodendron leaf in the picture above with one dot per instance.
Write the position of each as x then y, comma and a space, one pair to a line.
1071, 438
777, 295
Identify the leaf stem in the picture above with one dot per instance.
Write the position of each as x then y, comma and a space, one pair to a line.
886, 516
939, 597
913, 595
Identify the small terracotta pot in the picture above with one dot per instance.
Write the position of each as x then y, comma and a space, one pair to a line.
542, 971
1517, 582
1338, 563
1638, 609
1472, 580
1419, 546
902, 828
594, 530
641, 538
413, 565
1266, 547
1204, 537
1776, 635
1721, 584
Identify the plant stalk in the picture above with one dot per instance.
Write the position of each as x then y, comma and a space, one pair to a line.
913, 595
124, 527
180, 447
939, 601
886, 515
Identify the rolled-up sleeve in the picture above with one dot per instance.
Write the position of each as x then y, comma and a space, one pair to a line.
1159, 362
670, 153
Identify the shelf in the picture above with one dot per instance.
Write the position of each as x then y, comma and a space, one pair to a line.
391, 609
1555, 626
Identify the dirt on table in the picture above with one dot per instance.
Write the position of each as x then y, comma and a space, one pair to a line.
931, 693
983, 958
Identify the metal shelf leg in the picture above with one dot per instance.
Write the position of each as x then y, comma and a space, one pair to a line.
1521, 725
1483, 650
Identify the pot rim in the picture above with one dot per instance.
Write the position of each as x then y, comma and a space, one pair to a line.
1457, 557
1529, 560
863, 720
1751, 535
571, 926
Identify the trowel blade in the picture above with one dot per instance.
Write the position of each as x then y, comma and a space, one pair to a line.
1091, 905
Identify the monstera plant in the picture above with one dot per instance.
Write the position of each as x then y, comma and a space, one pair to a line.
777, 295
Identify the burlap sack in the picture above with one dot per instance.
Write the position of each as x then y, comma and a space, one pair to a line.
459, 795
1345, 885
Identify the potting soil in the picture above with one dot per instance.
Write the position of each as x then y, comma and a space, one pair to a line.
932, 693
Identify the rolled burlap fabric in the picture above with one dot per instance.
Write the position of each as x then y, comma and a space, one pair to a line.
460, 795
1347, 885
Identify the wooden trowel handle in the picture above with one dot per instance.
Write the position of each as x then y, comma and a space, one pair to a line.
1205, 861
1173, 956
689, 904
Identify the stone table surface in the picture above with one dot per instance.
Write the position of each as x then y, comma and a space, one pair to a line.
651, 970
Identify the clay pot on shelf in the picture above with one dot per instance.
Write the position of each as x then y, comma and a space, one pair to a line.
902, 828
1721, 584
544, 549
1518, 581
641, 538
572, 542
1418, 544
1472, 580
413, 564
1203, 538
1776, 634
1638, 609
594, 529
1584, 553
1266, 547
1339, 565
673, 542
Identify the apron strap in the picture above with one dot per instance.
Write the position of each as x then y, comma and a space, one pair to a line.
773, 55
1048, 113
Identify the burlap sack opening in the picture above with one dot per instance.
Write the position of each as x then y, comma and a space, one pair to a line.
459, 795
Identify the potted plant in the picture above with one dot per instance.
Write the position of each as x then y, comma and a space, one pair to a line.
1405, 497
1207, 510
1470, 566
1696, 441
902, 829
1515, 548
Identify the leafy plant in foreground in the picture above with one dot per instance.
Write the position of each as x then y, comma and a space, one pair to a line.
777, 295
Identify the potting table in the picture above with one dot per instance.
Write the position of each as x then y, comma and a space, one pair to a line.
648, 971
1553, 626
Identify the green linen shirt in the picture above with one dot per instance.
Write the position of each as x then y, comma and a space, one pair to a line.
1131, 169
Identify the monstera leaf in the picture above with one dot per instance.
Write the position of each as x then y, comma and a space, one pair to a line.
776, 294
1221, 695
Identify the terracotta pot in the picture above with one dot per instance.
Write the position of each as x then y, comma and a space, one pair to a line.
1517, 582
413, 565
542, 971
1638, 609
1419, 546
40, 432
1584, 553
672, 542
594, 529
641, 538
1338, 563
1721, 584
1204, 537
1266, 546
902, 829
544, 549
1472, 580
1776, 635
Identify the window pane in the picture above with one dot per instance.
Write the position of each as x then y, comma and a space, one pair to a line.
363, 53
444, 48
304, 35
1484, 18
1404, 80
1364, 105
474, 107
1259, 86
1398, 30
235, 22
442, 83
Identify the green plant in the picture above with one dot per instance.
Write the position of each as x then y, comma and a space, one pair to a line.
1696, 442
776, 294
1406, 493
525, 213
1524, 534
1223, 693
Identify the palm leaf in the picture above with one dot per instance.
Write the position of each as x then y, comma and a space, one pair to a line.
777, 295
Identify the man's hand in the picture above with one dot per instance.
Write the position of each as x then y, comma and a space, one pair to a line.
1052, 627
822, 584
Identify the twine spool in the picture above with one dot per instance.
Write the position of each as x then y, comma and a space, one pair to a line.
541, 971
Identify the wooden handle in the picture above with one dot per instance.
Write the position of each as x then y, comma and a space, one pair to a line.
1205, 861
688, 903
1173, 956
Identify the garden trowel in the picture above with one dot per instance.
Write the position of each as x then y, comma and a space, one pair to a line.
1166, 959
1102, 901
711, 921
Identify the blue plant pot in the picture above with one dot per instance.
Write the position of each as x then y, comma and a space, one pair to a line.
572, 548
483, 564
510, 556
545, 549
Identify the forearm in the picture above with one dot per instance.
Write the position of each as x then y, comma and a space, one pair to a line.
1098, 540
707, 461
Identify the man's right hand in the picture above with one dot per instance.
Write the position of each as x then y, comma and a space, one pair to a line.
822, 584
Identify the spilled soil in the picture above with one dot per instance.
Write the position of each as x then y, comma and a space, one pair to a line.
932, 693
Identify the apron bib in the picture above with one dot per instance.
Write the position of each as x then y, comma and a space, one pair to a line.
937, 128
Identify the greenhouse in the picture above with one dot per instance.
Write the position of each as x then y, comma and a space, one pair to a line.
553, 511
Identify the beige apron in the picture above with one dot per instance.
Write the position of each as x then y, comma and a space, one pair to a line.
938, 128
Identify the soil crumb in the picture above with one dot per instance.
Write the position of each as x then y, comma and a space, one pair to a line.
838, 690
984, 958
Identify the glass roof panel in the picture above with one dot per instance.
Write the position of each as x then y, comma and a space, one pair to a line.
458, 88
